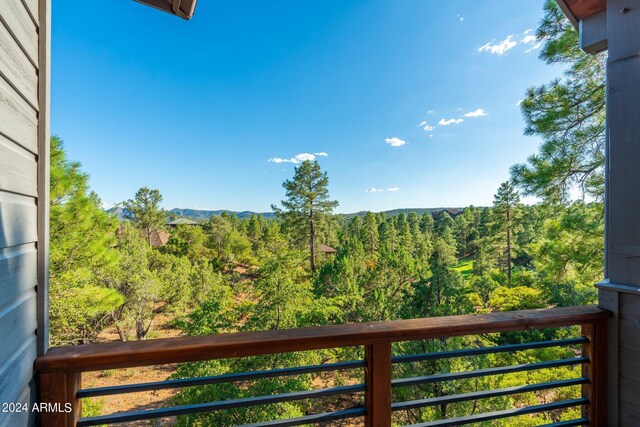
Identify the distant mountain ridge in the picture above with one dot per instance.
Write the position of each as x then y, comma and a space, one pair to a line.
419, 211
206, 214
203, 214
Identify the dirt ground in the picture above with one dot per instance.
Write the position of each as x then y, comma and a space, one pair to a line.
135, 401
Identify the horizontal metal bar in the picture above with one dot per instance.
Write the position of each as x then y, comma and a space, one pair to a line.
571, 423
218, 379
490, 416
219, 405
487, 350
452, 376
311, 419
485, 394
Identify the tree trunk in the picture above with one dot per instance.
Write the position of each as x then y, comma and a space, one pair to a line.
121, 333
312, 242
141, 330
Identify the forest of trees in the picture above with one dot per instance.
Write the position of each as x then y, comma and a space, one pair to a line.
235, 275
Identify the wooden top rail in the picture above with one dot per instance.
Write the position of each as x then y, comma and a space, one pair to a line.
114, 355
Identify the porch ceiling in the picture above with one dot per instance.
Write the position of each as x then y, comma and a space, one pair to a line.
577, 10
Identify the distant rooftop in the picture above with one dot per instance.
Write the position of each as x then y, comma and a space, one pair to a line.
327, 249
158, 237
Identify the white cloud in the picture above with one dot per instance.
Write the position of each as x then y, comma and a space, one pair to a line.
460, 17
303, 157
279, 160
499, 48
426, 126
447, 122
531, 40
519, 102
534, 47
429, 112
393, 189
374, 190
298, 158
395, 142
477, 113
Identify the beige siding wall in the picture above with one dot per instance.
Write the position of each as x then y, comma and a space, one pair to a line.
23, 224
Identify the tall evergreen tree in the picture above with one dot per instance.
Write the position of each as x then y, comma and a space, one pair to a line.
307, 205
146, 212
82, 256
506, 220
569, 115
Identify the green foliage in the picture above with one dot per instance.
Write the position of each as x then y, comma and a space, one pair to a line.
226, 242
141, 288
466, 231
569, 254
505, 223
145, 211
516, 298
307, 207
92, 407
190, 242
82, 257
568, 114
283, 294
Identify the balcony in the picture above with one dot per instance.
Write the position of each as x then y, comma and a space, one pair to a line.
373, 400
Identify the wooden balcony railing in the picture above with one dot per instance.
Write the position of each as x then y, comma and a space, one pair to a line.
61, 368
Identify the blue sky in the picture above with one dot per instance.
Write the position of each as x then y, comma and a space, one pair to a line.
213, 111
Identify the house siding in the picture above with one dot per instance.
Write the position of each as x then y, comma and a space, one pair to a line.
620, 292
24, 136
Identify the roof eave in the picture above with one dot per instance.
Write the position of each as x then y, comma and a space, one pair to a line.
567, 11
182, 8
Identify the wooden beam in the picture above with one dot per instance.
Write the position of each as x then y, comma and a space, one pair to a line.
188, 349
378, 381
58, 391
596, 372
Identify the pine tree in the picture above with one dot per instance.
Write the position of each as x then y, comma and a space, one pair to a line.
569, 115
82, 258
307, 205
371, 236
146, 212
506, 215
